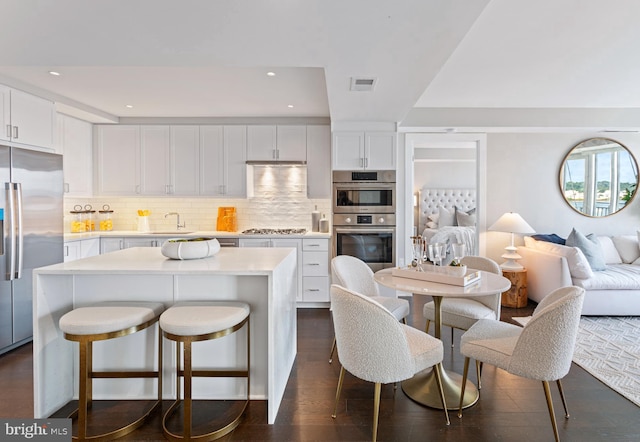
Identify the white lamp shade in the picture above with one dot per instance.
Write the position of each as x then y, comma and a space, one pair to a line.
512, 223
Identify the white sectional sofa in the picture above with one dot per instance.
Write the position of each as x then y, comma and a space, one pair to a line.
614, 291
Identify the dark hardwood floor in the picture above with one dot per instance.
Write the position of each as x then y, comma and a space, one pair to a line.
510, 408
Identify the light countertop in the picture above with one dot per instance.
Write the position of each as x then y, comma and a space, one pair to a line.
149, 260
212, 233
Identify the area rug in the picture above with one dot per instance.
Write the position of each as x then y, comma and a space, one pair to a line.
609, 349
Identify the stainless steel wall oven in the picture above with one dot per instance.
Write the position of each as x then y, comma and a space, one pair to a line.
364, 220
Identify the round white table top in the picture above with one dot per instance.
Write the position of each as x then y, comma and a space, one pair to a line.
489, 284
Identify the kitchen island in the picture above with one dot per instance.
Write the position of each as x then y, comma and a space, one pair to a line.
264, 278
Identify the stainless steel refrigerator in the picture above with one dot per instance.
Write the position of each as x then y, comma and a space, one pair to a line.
32, 234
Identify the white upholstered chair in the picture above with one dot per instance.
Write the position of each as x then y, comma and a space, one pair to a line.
462, 313
375, 347
542, 350
354, 274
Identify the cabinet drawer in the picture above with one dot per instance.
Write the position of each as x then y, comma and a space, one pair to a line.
319, 244
315, 289
315, 264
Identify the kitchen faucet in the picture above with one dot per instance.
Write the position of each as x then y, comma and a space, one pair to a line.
178, 225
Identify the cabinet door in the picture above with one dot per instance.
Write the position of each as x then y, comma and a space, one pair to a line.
111, 244
117, 160
291, 143
32, 119
71, 250
235, 161
5, 113
211, 160
185, 160
89, 247
255, 242
155, 159
261, 143
348, 150
141, 242
76, 139
318, 162
380, 150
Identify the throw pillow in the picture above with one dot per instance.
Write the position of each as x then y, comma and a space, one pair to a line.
446, 217
627, 246
466, 218
549, 237
610, 253
578, 265
432, 225
590, 246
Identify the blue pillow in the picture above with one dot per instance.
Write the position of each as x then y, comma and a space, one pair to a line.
549, 237
591, 248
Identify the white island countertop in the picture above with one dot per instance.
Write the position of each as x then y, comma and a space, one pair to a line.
265, 278
235, 260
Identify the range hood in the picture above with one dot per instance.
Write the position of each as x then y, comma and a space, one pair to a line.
275, 163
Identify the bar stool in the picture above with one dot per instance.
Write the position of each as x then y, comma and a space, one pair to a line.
189, 322
99, 322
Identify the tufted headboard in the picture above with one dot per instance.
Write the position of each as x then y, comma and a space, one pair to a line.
430, 199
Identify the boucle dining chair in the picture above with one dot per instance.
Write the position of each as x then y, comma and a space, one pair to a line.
542, 350
462, 313
353, 273
375, 347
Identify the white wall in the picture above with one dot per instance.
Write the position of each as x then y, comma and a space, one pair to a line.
522, 176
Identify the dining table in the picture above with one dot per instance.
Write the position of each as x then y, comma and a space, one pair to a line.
423, 387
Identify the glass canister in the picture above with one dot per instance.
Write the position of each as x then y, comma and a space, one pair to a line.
78, 224
106, 223
88, 218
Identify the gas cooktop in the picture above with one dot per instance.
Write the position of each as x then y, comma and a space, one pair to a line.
275, 231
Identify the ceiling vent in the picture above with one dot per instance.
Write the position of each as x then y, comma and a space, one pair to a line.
362, 84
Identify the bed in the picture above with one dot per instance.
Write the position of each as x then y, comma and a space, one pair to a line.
448, 216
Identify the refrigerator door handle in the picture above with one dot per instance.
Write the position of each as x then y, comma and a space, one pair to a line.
19, 233
11, 231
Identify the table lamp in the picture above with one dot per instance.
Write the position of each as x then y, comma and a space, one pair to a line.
512, 223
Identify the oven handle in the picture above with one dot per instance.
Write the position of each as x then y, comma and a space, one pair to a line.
365, 229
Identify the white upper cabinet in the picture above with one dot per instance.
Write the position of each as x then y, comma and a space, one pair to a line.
155, 151
223, 166
75, 138
185, 159
319, 162
364, 150
291, 143
117, 160
26, 119
276, 143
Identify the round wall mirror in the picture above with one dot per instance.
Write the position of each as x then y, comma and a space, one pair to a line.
599, 177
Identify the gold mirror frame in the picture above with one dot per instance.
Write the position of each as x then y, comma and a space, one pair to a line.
583, 172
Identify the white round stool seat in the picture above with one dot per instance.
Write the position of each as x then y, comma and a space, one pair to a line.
107, 317
194, 318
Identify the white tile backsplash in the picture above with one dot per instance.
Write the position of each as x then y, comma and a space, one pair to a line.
279, 201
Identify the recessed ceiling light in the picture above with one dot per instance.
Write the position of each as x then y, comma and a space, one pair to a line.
54, 73
129, 106
290, 106
271, 74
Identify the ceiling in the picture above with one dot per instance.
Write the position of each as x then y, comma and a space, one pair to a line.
203, 58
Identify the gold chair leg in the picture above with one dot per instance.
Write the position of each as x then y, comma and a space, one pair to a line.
438, 370
376, 410
333, 349
84, 389
340, 379
465, 373
479, 373
552, 415
452, 337
426, 328
564, 401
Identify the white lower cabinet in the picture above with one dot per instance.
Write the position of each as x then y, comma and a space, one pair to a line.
315, 270
81, 249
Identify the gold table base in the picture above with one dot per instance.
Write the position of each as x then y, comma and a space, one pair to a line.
423, 389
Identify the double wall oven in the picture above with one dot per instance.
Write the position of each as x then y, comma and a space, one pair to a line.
364, 219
